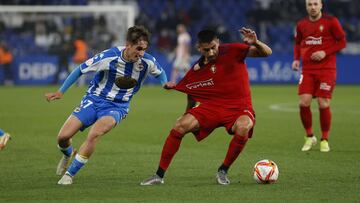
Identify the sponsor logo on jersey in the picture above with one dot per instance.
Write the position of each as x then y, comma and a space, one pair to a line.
313, 40
325, 86
199, 84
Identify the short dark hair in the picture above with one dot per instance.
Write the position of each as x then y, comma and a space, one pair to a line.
137, 33
206, 36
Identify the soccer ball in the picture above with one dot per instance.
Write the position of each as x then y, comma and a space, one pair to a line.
266, 171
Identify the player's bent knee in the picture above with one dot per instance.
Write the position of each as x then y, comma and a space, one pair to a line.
180, 126
305, 103
243, 130
62, 137
323, 103
243, 126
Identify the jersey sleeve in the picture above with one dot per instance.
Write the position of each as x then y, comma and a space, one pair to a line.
241, 50
339, 36
100, 61
155, 68
298, 38
337, 30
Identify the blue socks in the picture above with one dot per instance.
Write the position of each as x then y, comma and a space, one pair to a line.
1, 132
66, 151
77, 164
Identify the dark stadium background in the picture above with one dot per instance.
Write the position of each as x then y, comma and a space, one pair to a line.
273, 20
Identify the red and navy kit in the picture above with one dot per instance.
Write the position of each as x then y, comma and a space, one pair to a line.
222, 88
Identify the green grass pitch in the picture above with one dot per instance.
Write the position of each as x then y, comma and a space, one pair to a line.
131, 151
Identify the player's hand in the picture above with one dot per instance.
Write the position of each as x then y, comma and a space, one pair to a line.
318, 55
169, 85
53, 96
295, 65
249, 36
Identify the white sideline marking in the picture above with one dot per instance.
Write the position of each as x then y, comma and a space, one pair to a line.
293, 107
286, 107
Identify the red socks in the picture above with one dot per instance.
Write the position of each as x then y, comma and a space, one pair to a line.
306, 119
325, 122
170, 148
237, 144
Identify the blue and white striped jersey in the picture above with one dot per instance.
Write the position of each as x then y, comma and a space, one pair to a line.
109, 65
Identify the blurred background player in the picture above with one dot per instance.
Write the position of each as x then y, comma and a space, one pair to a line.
318, 38
4, 138
80, 55
182, 53
219, 82
120, 72
6, 59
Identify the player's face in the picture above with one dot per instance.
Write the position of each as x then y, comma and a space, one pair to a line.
135, 51
209, 50
313, 8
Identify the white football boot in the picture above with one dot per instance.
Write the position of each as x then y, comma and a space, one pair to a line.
66, 180
221, 178
153, 180
64, 163
309, 143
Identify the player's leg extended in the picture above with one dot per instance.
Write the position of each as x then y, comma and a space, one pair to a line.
306, 120
71, 126
325, 122
67, 131
100, 128
305, 113
183, 125
241, 128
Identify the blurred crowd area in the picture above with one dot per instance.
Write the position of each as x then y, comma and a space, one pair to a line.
273, 20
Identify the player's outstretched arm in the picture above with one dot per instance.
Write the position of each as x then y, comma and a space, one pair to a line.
257, 48
74, 75
53, 96
169, 85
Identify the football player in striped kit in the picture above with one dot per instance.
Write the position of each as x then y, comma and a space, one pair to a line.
120, 73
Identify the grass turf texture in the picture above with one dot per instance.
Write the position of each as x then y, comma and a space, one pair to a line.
131, 151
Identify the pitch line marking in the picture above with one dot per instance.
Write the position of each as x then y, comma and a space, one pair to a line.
292, 107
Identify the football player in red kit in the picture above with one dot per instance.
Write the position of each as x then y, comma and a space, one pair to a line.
218, 92
318, 37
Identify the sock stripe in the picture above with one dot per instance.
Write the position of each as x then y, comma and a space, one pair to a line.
81, 158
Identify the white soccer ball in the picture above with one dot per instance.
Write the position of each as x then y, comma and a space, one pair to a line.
266, 171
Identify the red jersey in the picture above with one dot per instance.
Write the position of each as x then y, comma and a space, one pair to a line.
223, 82
325, 34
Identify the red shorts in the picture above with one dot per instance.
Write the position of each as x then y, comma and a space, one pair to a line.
211, 117
317, 83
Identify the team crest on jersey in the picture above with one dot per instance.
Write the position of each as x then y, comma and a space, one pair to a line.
197, 67
89, 62
213, 69
321, 28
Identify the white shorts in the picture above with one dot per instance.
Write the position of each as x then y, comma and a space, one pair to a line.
181, 64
